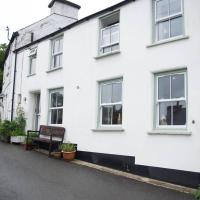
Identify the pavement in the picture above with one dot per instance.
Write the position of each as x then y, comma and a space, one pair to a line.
29, 175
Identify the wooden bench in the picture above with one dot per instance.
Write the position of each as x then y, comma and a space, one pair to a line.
49, 135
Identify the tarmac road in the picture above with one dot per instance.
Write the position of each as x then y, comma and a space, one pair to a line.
29, 175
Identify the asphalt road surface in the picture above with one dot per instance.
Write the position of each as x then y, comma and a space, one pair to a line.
31, 175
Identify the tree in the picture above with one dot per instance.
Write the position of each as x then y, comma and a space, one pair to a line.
3, 48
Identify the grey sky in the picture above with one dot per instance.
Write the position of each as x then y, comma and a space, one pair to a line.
20, 13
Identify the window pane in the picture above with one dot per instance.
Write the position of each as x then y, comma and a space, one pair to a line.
60, 116
60, 60
105, 40
56, 46
59, 100
165, 113
56, 61
175, 6
115, 47
61, 45
116, 92
164, 87
162, 9
163, 30
117, 114
176, 26
106, 49
32, 65
53, 100
106, 115
178, 86
106, 93
115, 34
179, 113
53, 116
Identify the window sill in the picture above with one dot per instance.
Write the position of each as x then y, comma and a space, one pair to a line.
108, 130
107, 54
55, 69
168, 41
170, 132
31, 75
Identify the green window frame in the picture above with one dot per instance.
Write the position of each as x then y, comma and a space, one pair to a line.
110, 107
170, 100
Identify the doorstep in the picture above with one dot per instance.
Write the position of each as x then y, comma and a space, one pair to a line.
137, 178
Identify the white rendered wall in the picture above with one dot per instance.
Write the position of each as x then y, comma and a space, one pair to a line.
65, 10
136, 64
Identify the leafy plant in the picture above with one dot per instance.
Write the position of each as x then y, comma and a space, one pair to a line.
15, 127
18, 132
33, 135
197, 194
20, 119
7, 127
3, 48
68, 147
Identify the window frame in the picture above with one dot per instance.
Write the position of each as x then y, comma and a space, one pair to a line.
100, 105
59, 53
32, 55
111, 43
101, 29
51, 91
157, 101
167, 18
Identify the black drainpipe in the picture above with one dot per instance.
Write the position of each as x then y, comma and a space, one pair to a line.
14, 79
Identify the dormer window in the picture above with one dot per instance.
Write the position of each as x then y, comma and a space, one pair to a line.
57, 52
32, 58
109, 33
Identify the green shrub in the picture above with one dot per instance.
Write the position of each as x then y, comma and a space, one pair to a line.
15, 127
33, 135
20, 119
68, 147
18, 132
197, 194
7, 127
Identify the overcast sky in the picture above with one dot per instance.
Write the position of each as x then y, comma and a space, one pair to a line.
17, 14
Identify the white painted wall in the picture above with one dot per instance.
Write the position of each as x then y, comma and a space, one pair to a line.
65, 10
136, 64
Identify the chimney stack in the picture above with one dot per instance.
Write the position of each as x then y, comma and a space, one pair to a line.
65, 8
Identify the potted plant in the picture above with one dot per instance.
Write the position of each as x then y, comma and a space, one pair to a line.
58, 152
17, 136
6, 129
68, 151
197, 194
27, 144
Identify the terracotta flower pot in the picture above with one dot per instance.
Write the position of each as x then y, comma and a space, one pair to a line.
69, 155
27, 147
57, 154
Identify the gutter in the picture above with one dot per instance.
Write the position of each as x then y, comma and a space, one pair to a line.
109, 9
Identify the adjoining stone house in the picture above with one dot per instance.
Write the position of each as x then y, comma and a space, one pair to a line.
124, 82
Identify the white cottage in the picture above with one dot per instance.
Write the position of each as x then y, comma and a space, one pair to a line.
124, 82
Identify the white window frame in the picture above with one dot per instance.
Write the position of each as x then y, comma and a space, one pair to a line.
111, 44
157, 100
61, 90
167, 18
32, 55
100, 105
59, 53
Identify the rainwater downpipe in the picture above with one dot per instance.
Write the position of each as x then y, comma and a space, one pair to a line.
14, 79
